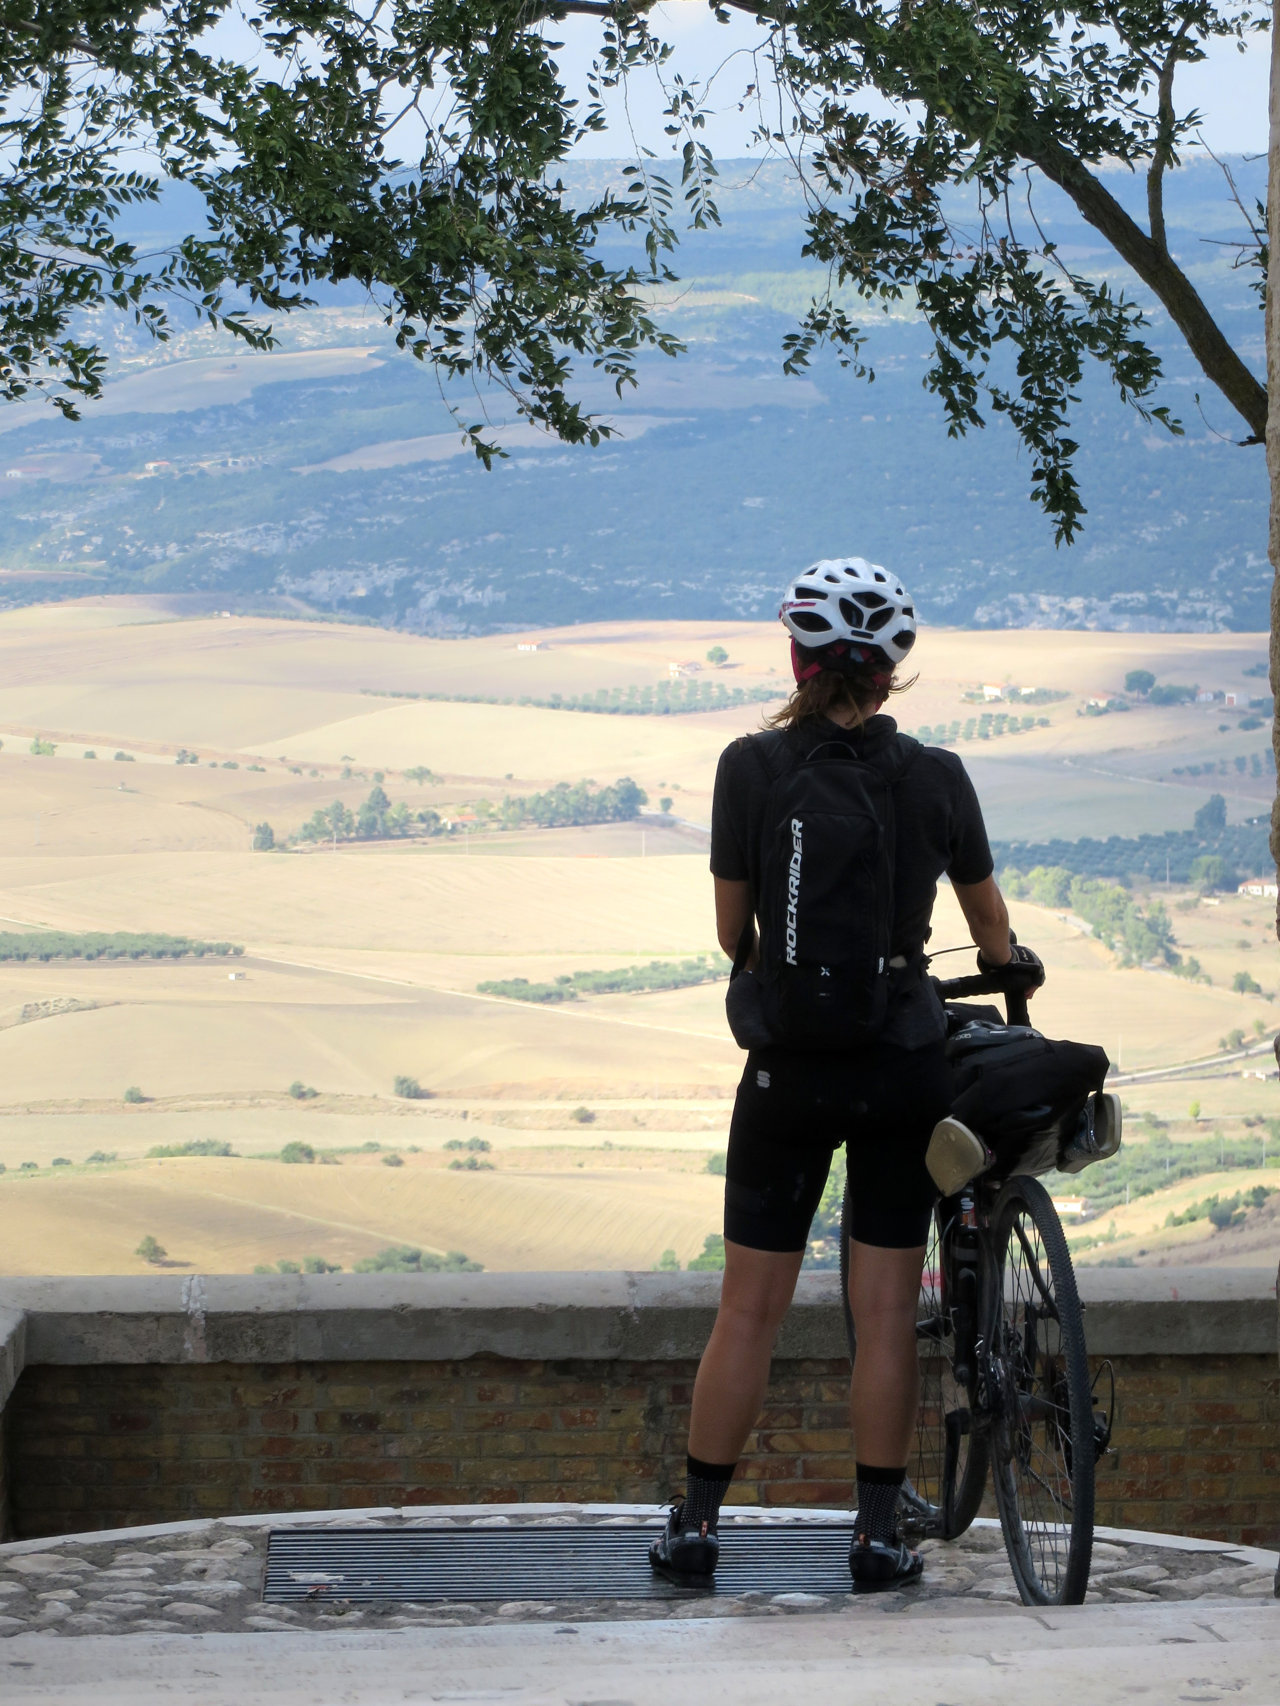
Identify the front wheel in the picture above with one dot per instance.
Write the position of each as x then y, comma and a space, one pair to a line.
1043, 1438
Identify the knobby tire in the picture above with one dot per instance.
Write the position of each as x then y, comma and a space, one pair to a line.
1042, 1441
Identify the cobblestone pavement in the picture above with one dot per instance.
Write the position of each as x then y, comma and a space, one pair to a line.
208, 1578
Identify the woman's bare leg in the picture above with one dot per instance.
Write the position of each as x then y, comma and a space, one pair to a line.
884, 1291
733, 1375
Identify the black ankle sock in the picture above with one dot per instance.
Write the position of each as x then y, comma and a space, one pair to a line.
878, 1491
705, 1489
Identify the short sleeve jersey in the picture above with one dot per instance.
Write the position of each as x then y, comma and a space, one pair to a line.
939, 823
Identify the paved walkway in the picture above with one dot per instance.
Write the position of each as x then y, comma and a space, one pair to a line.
176, 1612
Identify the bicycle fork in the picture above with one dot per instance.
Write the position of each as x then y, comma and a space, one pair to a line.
965, 1291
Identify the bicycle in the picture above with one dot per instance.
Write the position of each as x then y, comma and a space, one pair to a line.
1004, 1371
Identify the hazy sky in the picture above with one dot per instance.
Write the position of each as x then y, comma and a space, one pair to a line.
1230, 89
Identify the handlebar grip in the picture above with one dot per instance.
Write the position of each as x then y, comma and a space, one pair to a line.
994, 982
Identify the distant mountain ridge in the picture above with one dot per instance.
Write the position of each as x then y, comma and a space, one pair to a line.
332, 482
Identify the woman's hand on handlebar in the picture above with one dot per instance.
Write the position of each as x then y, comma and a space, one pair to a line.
1024, 969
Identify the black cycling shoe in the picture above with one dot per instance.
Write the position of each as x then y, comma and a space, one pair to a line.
689, 1558
879, 1564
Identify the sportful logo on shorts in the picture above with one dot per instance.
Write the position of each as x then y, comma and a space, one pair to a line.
793, 889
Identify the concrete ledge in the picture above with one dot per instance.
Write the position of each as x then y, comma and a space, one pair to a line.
13, 1350
587, 1317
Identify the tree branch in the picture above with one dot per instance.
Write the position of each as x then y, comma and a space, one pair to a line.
1165, 118
1153, 265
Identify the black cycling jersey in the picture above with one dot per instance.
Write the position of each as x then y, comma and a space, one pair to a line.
939, 822
881, 1100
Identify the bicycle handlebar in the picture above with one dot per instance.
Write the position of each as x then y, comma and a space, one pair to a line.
997, 981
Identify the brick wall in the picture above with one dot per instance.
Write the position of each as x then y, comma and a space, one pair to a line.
1197, 1438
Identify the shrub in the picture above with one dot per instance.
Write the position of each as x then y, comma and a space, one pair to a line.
100, 1156
408, 1259
298, 1154
134, 1095
150, 1250
287, 1267
665, 804
712, 1257
717, 656
124, 758
264, 838
471, 1165
393, 1161
302, 1092
1243, 984
716, 1164
667, 1263
29, 1167
408, 1088
60, 1161
41, 748
478, 1145
91, 754
318, 1265
583, 1116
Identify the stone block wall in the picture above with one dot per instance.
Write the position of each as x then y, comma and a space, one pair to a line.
136, 1415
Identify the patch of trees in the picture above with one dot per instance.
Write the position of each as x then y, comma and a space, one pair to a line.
376, 819
658, 699
658, 974
1140, 1169
1220, 1211
1257, 763
192, 1146
1137, 936
103, 945
567, 805
989, 726
1241, 848
408, 1259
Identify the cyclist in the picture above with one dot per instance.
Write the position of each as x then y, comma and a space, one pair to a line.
852, 625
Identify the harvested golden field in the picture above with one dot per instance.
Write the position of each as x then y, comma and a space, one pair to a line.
361, 962
226, 1216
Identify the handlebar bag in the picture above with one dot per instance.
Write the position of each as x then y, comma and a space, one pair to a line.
1023, 1093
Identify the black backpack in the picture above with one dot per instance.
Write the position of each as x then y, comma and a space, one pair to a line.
825, 900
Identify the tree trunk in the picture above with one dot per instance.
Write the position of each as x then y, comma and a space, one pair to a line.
1273, 427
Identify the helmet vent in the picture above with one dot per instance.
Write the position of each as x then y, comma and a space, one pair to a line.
810, 621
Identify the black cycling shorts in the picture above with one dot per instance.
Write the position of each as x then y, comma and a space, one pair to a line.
793, 1111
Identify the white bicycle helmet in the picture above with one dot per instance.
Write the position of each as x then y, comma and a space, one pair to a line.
849, 600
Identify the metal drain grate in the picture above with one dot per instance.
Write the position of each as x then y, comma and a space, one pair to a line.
536, 1562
